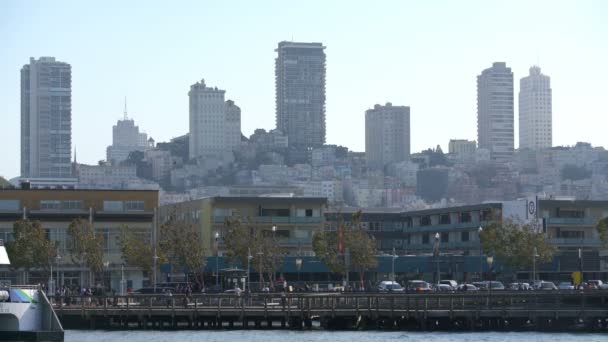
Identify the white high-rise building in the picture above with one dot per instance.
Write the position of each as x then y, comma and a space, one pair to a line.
126, 138
233, 125
207, 120
387, 135
46, 119
535, 112
495, 115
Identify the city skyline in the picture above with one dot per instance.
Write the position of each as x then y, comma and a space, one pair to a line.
403, 77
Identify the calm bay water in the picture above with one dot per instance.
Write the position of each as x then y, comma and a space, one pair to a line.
322, 336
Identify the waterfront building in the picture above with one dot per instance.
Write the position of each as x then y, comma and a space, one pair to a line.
46, 119
387, 135
495, 116
106, 210
295, 218
535, 111
300, 93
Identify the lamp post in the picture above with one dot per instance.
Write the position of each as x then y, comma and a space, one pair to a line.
490, 260
299, 266
106, 265
58, 259
249, 257
534, 255
480, 254
217, 270
122, 279
393, 257
155, 259
580, 263
51, 292
274, 241
436, 254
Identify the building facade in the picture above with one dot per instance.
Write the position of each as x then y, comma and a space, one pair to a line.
495, 116
107, 210
46, 119
300, 93
126, 138
295, 218
387, 135
535, 111
207, 120
233, 126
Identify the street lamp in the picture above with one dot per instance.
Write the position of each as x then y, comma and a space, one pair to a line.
436, 253
155, 259
480, 230
534, 256
122, 279
299, 266
249, 257
58, 259
394, 256
106, 265
490, 260
217, 271
274, 242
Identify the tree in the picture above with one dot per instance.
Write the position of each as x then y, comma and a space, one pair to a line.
514, 244
86, 245
136, 248
602, 230
330, 246
30, 248
181, 246
242, 236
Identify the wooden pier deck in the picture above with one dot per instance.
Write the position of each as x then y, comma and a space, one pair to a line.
502, 310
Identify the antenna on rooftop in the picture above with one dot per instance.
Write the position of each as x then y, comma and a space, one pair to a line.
125, 108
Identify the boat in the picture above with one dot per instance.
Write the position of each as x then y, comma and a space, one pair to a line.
25, 312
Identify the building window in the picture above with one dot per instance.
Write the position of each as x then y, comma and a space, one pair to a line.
9, 204
444, 219
425, 238
425, 221
113, 206
464, 236
134, 205
445, 237
50, 205
465, 217
72, 205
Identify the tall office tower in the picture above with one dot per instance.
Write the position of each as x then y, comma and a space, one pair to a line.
300, 93
387, 135
46, 119
207, 120
233, 125
126, 138
535, 113
495, 111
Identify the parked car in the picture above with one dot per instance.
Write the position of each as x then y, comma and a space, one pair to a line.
418, 286
520, 287
481, 285
152, 290
595, 284
444, 288
565, 285
546, 286
467, 287
495, 285
390, 286
452, 283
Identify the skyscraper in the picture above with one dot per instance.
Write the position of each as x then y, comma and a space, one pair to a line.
207, 120
300, 93
387, 135
233, 125
46, 119
535, 112
495, 115
126, 138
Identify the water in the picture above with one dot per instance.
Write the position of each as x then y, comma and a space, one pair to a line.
322, 336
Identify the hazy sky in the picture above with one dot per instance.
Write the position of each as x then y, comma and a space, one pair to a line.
424, 54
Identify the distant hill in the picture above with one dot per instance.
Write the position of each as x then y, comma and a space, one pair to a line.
4, 183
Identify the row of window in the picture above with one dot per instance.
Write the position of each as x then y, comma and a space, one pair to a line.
14, 205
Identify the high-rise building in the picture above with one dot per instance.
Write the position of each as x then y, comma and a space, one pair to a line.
126, 138
300, 93
387, 135
46, 119
207, 120
535, 112
495, 115
233, 125
463, 150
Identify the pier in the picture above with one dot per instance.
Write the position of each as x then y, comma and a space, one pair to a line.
466, 311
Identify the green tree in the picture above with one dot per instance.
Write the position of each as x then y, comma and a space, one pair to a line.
513, 244
330, 246
136, 248
602, 231
180, 244
30, 249
243, 236
86, 246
